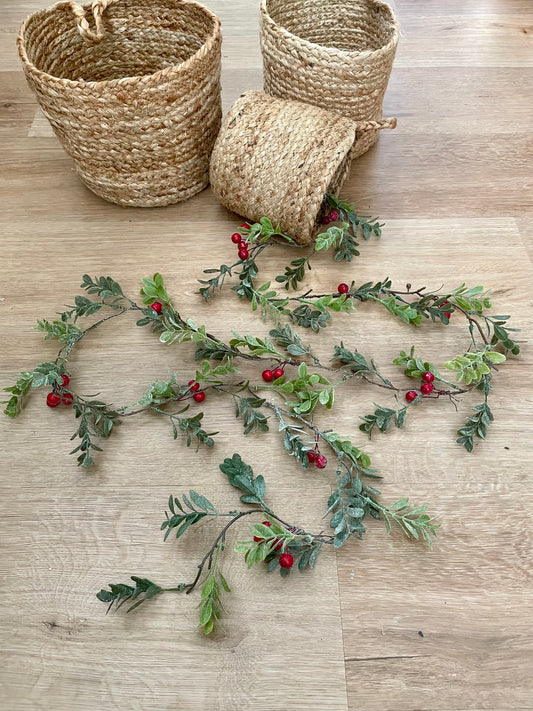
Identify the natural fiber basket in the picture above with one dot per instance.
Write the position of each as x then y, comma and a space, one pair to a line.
132, 91
337, 54
278, 159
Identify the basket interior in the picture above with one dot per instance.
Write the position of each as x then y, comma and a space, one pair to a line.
140, 39
349, 25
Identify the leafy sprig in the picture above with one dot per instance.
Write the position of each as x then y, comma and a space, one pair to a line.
247, 408
241, 476
294, 273
303, 387
471, 367
382, 418
211, 606
64, 332
285, 337
413, 521
190, 510
348, 509
18, 392
358, 364
316, 314
104, 287
96, 421
120, 593
264, 231
476, 425
255, 346
191, 427
153, 289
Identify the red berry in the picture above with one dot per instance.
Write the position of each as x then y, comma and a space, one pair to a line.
286, 560
67, 399
236, 238
245, 226
243, 254
411, 395
278, 544
157, 307
333, 216
198, 397
325, 220
193, 386
278, 373
426, 388
428, 377
267, 375
66, 380
343, 288
312, 454
52, 400
321, 462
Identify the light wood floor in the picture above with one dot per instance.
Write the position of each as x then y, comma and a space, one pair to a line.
453, 184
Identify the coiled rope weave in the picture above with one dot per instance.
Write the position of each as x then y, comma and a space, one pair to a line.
132, 90
278, 159
336, 54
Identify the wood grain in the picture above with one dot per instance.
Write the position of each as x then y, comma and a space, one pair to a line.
453, 183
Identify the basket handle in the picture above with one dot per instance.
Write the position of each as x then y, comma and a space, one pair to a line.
376, 125
97, 7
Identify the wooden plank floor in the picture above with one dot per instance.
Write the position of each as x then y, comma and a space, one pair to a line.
454, 185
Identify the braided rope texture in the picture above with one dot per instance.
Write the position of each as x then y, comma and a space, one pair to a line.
279, 158
336, 54
135, 100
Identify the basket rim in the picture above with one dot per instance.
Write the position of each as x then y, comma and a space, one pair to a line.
206, 47
334, 51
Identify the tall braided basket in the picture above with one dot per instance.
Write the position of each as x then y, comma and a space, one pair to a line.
337, 54
278, 159
132, 90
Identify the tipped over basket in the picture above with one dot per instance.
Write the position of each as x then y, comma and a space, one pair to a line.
278, 159
132, 90
336, 54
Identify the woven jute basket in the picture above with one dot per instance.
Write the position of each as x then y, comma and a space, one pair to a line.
278, 159
337, 54
132, 90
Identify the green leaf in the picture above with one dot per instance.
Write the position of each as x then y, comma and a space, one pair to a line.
495, 357
224, 582
201, 502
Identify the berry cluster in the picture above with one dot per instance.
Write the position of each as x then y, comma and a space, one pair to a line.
242, 244
270, 375
329, 217
314, 457
194, 387
426, 388
286, 560
58, 396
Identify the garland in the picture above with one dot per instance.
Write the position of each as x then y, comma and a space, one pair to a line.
298, 382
